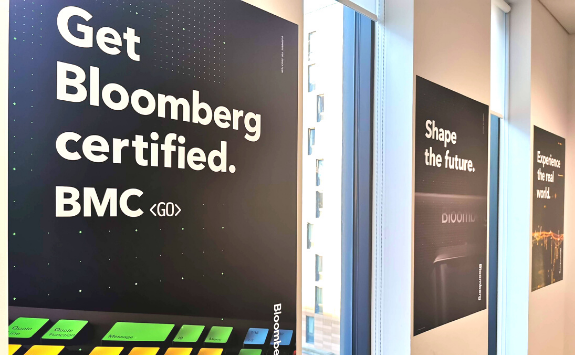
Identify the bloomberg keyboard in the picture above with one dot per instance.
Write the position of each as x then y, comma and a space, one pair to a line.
104, 333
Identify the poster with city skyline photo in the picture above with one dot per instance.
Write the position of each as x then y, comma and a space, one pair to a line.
547, 233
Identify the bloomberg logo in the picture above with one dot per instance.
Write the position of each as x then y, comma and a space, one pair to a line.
276, 335
455, 217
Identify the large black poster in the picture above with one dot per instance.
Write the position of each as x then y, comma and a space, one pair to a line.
450, 216
153, 158
548, 208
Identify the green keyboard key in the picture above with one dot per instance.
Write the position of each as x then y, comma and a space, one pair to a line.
219, 334
65, 329
126, 331
250, 352
26, 327
189, 333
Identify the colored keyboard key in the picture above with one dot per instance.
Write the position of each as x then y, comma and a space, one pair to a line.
178, 351
126, 331
45, 350
256, 336
25, 328
219, 335
107, 350
144, 351
206, 351
189, 333
250, 352
65, 329
284, 336
12, 348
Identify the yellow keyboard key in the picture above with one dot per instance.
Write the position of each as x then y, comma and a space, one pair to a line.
144, 351
206, 351
106, 350
12, 348
178, 351
45, 350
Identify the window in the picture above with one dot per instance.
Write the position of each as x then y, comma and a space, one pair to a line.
309, 329
340, 64
318, 171
318, 300
310, 140
311, 39
311, 77
318, 267
318, 203
320, 108
309, 235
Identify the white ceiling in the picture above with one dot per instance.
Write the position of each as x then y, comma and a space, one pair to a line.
564, 12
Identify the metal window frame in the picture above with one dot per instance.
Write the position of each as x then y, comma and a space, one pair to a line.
357, 177
494, 166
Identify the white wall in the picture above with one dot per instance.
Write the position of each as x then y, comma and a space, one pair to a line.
570, 206
549, 110
536, 322
452, 45
452, 49
291, 10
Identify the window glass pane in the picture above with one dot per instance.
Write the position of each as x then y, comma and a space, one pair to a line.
311, 77
311, 38
322, 177
310, 329
310, 140
318, 171
320, 102
309, 235
318, 267
318, 204
318, 300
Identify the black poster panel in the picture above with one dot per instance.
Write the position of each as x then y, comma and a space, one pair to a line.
547, 231
153, 160
450, 216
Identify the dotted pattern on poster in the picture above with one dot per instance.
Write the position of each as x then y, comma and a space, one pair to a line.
197, 50
190, 36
